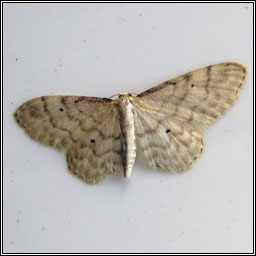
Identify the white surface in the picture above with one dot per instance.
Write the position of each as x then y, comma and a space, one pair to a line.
101, 50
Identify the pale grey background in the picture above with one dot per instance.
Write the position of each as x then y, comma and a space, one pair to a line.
101, 50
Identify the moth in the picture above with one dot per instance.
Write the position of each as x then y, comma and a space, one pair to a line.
100, 135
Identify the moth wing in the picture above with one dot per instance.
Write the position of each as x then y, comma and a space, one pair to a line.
168, 144
169, 116
201, 96
87, 129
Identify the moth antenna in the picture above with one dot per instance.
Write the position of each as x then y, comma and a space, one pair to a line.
115, 95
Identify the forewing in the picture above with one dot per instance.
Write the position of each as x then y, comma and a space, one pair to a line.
86, 128
201, 96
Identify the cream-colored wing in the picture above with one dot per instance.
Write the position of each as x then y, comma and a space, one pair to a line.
201, 96
168, 144
169, 116
86, 128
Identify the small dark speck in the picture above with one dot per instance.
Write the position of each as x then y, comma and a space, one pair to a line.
61, 109
16, 59
247, 148
43, 228
11, 242
168, 130
60, 65
93, 141
17, 221
192, 85
140, 14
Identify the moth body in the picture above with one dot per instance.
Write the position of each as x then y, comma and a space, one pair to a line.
126, 118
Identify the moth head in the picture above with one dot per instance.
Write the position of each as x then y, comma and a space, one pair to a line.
124, 98
124, 95
128, 96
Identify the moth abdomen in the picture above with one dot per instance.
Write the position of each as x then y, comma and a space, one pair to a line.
126, 119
